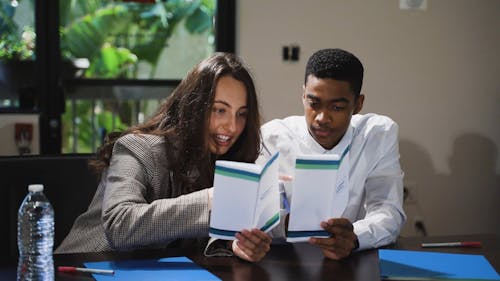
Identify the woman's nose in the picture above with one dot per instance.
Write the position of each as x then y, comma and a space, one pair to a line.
230, 124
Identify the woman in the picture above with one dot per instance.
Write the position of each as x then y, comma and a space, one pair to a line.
156, 177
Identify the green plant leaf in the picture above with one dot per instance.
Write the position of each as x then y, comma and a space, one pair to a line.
199, 21
112, 62
85, 36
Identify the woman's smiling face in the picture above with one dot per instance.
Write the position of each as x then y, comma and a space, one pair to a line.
228, 115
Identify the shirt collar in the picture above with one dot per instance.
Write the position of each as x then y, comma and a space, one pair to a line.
338, 149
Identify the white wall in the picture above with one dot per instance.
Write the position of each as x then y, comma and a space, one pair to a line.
436, 72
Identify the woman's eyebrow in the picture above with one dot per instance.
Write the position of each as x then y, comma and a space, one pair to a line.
223, 102
228, 105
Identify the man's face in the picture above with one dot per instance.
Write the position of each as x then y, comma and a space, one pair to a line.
328, 107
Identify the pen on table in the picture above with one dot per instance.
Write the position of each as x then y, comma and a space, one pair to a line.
475, 244
73, 269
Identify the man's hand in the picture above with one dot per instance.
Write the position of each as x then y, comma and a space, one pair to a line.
251, 245
342, 241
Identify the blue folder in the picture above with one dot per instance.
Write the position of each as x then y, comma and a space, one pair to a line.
174, 268
419, 265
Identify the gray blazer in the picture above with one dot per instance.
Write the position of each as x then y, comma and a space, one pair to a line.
137, 203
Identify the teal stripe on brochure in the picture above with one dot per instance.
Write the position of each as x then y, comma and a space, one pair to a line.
317, 164
345, 152
270, 222
275, 156
320, 164
307, 233
235, 173
222, 232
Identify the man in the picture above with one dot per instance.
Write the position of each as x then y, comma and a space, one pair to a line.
331, 125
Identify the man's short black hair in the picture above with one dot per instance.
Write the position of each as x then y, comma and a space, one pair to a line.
336, 64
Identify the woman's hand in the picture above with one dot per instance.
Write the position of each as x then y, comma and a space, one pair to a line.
251, 245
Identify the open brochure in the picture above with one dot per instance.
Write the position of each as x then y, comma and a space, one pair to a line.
245, 196
315, 196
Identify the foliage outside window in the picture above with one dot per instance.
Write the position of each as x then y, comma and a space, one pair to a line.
106, 39
17, 36
17, 49
133, 39
128, 40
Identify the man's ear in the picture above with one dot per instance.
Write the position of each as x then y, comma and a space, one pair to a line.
303, 93
359, 104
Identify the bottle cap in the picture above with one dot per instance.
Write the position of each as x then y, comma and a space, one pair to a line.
35, 187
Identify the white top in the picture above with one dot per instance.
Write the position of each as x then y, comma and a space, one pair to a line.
35, 187
375, 175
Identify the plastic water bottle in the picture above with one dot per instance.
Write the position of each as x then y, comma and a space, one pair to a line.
35, 236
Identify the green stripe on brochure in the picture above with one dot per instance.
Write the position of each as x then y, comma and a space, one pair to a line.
241, 174
271, 221
311, 164
317, 166
222, 232
233, 173
268, 224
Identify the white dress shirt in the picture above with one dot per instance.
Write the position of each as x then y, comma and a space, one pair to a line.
375, 175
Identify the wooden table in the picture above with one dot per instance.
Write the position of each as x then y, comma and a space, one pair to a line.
299, 261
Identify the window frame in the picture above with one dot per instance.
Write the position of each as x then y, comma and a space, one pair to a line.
51, 96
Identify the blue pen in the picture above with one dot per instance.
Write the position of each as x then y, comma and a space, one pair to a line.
284, 200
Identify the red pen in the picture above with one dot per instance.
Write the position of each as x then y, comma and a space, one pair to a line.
474, 244
72, 269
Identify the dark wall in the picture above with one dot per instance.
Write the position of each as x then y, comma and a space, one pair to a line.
68, 184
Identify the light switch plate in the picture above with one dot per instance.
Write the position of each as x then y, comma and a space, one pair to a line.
413, 5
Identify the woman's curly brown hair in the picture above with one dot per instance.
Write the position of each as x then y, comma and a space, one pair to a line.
184, 121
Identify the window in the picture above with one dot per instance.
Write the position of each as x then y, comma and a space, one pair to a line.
112, 62
126, 40
138, 39
17, 52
